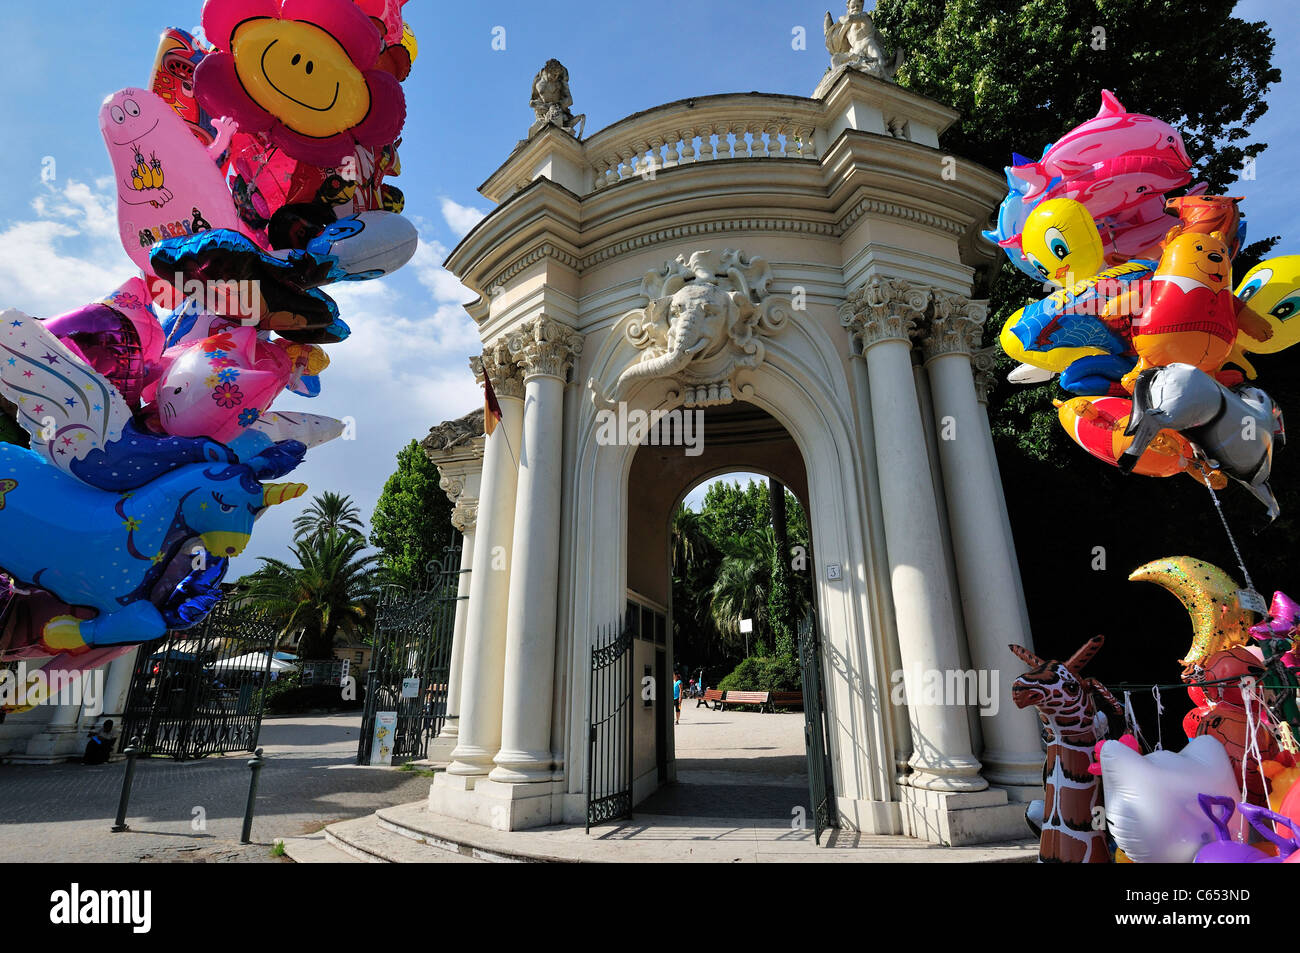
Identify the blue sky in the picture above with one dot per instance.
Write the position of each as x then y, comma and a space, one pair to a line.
405, 367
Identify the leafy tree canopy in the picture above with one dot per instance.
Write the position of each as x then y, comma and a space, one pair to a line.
411, 524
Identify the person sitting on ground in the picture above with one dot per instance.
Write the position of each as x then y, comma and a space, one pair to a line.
100, 745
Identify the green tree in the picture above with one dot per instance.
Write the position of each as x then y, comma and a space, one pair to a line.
411, 524
327, 589
328, 512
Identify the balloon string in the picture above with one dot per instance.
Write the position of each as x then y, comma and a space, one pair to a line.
1160, 710
1130, 719
1241, 563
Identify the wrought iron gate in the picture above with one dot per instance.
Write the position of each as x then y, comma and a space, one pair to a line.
609, 726
202, 691
814, 730
410, 662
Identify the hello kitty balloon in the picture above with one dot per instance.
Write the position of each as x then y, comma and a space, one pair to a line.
221, 385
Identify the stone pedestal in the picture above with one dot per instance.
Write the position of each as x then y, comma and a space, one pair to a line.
956, 819
500, 805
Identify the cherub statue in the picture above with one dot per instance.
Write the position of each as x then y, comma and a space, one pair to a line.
854, 41
551, 101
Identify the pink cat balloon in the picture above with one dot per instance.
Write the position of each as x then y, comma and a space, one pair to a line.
168, 183
221, 385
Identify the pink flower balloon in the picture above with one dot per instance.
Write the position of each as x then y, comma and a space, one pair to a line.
221, 385
301, 71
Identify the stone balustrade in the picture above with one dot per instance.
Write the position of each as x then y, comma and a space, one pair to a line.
727, 127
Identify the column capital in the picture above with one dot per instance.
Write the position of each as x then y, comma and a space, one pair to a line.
465, 515
984, 363
497, 364
955, 326
884, 309
544, 347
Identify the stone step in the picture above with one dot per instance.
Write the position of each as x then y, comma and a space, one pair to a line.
369, 840
315, 849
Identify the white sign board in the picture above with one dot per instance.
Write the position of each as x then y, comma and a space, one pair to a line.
411, 687
746, 625
381, 748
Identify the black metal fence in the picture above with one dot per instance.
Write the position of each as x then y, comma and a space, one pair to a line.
609, 731
202, 691
410, 665
820, 790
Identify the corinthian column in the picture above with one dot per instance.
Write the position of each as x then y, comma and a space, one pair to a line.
479, 736
881, 317
986, 567
546, 350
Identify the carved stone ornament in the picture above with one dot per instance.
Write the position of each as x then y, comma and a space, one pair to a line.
884, 309
465, 516
498, 364
453, 433
544, 347
550, 99
705, 321
956, 325
984, 363
854, 43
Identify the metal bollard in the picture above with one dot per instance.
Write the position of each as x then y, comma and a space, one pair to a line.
132, 752
255, 764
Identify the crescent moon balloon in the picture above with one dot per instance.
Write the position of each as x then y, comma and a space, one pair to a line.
1210, 597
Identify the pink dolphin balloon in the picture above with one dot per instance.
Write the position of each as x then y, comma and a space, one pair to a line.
168, 183
221, 385
1113, 133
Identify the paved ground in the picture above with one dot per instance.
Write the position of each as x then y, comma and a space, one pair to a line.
741, 797
735, 764
64, 812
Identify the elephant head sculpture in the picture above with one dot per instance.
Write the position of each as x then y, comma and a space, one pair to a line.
703, 318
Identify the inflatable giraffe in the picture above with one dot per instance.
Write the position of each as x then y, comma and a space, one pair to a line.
1072, 795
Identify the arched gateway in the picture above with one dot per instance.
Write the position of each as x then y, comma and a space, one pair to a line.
778, 284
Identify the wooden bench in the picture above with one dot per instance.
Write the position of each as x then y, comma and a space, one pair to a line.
787, 699
746, 698
710, 695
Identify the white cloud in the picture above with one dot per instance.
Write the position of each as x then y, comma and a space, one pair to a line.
68, 255
460, 218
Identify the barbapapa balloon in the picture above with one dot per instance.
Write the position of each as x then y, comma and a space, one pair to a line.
167, 182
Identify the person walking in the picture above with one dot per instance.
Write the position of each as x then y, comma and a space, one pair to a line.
677, 698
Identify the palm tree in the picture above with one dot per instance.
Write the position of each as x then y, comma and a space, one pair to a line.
741, 588
328, 512
691, 543
331, 590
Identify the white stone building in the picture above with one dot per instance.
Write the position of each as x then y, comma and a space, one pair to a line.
799, 270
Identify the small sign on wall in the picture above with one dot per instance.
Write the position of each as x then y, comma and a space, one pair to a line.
381, 748
833, 571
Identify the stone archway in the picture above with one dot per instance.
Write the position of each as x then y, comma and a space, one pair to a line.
734, 764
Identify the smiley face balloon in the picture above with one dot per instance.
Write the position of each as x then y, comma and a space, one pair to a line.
302, 72
167, 184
